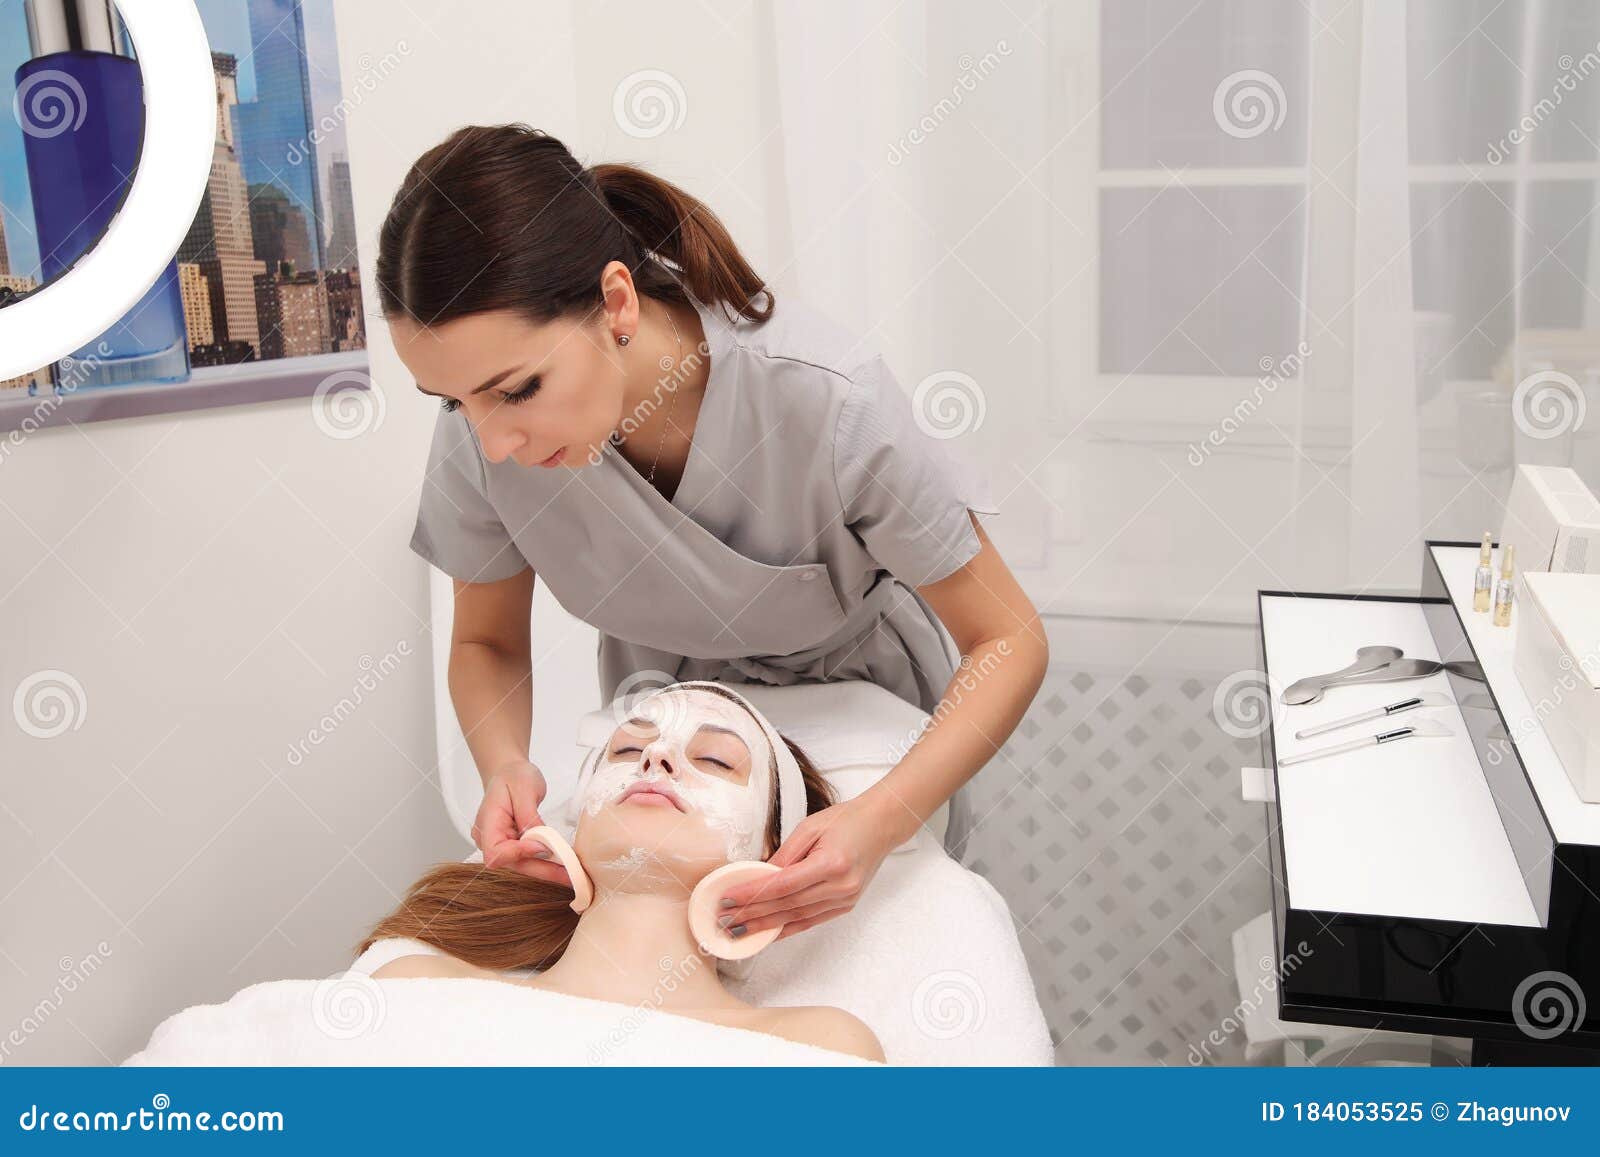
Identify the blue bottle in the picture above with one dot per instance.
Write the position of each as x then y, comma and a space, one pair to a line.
80, 102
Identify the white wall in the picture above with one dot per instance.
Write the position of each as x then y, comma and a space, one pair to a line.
212, 581
413, 75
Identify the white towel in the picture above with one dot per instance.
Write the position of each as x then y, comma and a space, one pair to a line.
352, 1019
928, 959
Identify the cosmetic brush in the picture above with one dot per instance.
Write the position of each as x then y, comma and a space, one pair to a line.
1425, 727
1426, 699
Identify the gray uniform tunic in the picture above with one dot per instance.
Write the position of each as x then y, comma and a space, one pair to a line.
810, 507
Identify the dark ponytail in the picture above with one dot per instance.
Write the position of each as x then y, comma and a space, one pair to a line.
503, 217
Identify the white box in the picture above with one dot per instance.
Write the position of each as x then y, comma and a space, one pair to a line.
1553, 520
1557, 661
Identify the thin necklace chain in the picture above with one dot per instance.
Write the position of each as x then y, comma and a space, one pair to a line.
651, 477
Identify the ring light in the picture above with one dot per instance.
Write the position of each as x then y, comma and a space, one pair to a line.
180, 111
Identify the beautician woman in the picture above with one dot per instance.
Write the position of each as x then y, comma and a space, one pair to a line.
726, 486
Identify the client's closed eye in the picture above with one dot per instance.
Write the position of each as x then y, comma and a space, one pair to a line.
636, 750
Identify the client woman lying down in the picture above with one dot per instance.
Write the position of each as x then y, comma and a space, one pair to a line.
687, 784
490, 966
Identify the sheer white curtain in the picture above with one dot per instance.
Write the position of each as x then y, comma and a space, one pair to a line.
1123, 221
1226, 294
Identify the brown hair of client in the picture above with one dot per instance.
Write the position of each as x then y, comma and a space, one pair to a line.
499, 919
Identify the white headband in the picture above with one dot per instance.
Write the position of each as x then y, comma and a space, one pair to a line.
791, 783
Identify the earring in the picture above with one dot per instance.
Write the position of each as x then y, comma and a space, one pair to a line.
622, 339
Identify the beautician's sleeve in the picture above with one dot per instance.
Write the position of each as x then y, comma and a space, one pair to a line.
905, 492
457, 529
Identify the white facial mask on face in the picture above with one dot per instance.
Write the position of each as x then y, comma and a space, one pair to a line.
737, 811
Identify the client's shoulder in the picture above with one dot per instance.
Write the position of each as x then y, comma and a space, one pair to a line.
827, 1027
418, 964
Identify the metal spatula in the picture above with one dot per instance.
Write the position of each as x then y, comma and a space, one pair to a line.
1309, 689
1396, 672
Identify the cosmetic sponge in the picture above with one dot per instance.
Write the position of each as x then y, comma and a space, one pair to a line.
705, 907
582, 886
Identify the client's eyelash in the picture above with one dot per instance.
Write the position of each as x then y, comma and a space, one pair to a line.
707, 758
451, 405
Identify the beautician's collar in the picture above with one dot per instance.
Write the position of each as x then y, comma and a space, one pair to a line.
719, 331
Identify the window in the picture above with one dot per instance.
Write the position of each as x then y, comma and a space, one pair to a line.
1196, 244
1266, 209
1507, 187
1192, 161
264, 297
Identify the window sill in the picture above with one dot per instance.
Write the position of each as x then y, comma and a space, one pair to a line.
207, 387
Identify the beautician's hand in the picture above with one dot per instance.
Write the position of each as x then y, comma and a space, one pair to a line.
510, 807
827, 864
